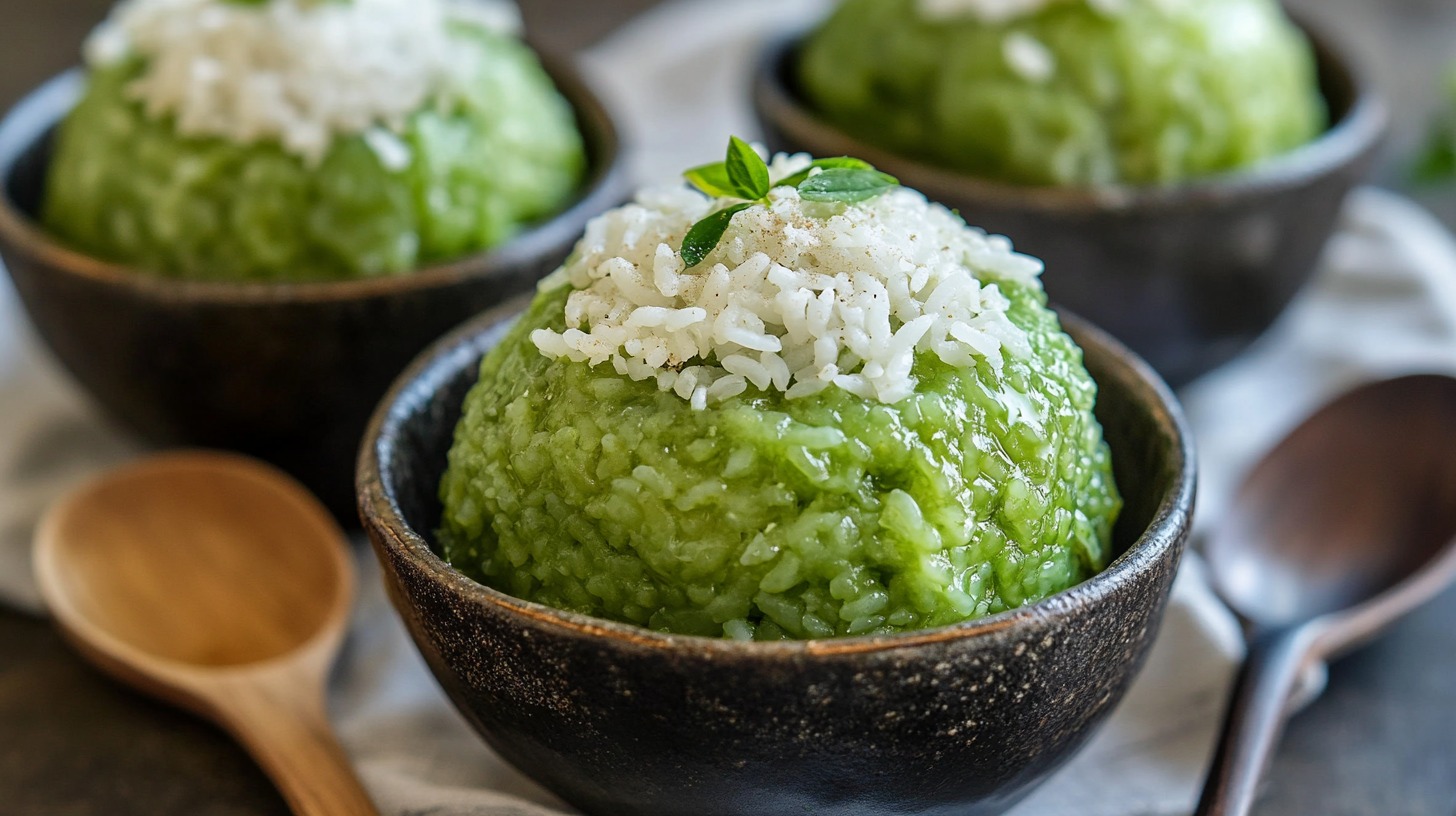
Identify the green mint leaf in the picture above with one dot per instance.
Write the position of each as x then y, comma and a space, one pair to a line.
846, 185
746, 170
703, 238
712, 179
843, 162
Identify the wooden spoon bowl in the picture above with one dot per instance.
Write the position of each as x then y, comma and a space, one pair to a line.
219, 584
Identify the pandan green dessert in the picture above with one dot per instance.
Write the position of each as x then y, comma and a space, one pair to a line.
301, 140
823, 409
1068, 92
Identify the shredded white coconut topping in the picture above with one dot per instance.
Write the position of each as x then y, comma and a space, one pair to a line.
300, 72
797, 297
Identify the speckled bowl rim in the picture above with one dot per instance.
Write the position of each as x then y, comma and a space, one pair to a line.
39, 112
1363, 126
382, 517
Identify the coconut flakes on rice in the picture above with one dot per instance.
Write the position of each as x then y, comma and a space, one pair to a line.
797, 297
300, 72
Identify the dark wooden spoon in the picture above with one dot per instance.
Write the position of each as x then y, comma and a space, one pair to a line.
1349, 524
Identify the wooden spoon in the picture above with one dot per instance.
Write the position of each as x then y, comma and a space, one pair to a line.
216, 583
1349, 524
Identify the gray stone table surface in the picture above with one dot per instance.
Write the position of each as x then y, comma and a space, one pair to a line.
1380, 742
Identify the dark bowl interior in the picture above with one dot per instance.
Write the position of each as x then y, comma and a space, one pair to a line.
620, 720
1187, 275
285, 372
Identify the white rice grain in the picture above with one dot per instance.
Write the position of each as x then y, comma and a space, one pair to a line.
301, 72
793, 299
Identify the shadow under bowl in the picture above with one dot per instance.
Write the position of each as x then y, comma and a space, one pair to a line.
1187, 275
286, 372
621, 720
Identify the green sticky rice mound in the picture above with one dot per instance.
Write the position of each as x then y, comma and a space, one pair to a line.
768, 518
1155, 93
125, 187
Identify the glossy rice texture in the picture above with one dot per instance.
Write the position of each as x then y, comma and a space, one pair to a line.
1072, 95
769, 518
460, 178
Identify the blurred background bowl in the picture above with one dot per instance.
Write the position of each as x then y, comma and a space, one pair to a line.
617, 719
285, 372
1187, 275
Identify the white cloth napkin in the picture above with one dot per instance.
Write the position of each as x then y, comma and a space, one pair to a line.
1384, 303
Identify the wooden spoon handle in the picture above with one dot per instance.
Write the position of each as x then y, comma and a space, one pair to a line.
292, 741
1255, 721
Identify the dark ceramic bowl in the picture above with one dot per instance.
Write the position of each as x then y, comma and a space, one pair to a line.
1187, 275
620, 720
286, 372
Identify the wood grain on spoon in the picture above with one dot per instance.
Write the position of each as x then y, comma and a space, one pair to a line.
216, 583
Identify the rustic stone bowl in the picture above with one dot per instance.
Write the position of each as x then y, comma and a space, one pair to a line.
619, 720
285, 372
1187, 275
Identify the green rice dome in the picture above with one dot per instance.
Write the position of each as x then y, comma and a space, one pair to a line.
769, 518
127, 188
1155, 93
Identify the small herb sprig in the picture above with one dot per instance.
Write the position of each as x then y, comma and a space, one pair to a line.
743, 175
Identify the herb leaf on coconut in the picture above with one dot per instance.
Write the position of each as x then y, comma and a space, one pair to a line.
743, 176
705, 235
711, 179
746, 170
846, 186
836, 163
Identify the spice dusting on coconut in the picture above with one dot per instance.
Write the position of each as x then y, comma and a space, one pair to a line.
824, 280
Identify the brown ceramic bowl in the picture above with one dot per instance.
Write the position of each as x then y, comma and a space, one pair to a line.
620, 720
286, 372
1187, 275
